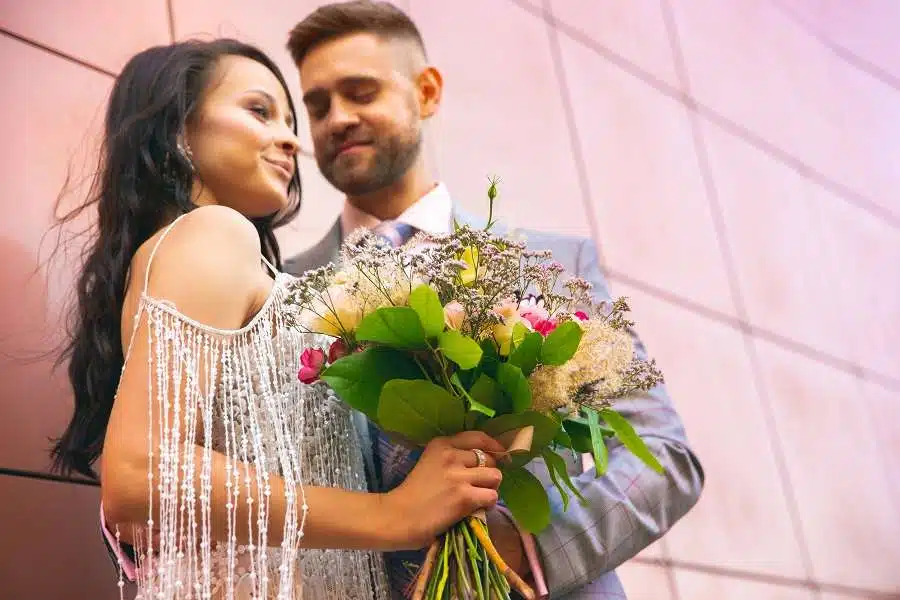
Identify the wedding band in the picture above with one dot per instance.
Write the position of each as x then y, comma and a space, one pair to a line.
480, 457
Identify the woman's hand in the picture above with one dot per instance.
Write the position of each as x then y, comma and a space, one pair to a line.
444, 487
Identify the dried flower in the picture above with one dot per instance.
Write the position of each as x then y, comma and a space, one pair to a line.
601, 362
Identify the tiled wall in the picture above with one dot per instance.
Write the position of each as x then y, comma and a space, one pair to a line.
738, 164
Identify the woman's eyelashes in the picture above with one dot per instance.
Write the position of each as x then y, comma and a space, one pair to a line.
262, 112
265, 114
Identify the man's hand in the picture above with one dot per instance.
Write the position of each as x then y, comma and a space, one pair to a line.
508, 542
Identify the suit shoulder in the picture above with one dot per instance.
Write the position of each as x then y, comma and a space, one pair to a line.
542, 239
324, 251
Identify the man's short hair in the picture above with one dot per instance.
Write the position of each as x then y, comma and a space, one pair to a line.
333, 21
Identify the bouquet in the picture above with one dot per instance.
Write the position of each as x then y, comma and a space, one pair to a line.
438, 337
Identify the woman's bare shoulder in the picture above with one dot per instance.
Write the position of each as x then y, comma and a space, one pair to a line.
208, 265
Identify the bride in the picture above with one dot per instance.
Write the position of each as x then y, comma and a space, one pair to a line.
222, 475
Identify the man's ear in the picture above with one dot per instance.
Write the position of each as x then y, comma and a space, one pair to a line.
429, 86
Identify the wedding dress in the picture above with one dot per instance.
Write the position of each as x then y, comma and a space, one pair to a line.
240, 396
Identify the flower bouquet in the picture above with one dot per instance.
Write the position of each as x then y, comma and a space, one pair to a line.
438, 337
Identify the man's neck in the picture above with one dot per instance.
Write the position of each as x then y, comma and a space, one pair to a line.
391, 202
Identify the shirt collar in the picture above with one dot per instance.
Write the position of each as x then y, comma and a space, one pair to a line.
432, 213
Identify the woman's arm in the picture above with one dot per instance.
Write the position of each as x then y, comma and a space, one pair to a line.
209, 268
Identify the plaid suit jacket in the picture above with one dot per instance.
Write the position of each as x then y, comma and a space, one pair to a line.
627, 509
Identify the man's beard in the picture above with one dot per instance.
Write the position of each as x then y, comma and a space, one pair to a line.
390, 159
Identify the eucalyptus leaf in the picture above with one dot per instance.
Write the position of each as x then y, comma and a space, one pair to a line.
630, 439
394, 326
515, 385
545, 428
519, 332
358, 378
424, 300
419, 410
525, 497
561, 344
474, 405
527, 353
462, 350
490, 357
488, 392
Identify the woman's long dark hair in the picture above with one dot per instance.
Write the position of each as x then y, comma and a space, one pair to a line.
143, 182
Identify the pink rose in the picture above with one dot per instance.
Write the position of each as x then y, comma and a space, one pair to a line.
337, 350
545, 326
581, 315
454, 315
534, 314
312, 359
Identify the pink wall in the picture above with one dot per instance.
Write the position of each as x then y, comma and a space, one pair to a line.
737, 163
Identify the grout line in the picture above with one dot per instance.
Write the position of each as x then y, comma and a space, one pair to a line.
57, 53
784, 342
47, 477
170, 13
672, 580
574, 138
847, 194
775, 441
839, 50
842, 191
733, 128
778, 453
766, 578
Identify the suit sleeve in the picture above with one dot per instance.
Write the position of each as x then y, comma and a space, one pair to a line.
631, 506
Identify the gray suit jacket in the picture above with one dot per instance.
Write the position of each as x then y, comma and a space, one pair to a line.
627, 509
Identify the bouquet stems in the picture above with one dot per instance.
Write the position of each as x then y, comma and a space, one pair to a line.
463, 564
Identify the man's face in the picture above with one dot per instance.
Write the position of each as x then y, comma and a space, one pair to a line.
361, 96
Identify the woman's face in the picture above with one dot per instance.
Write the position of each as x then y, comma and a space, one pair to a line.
242, 141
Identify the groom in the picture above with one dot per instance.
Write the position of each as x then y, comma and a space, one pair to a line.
368, 89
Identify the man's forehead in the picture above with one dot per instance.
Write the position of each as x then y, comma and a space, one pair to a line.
356, 55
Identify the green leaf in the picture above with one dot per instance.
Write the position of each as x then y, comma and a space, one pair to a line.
526, 354
630, 439
490, 357
519, 333
424, 300
559, 474
419, 410
474, 405
462, 350
598, 445
514, 384
580, 434
526, 499
563, 439
545, 428
395, 326
357, 378
487, 391
561, 344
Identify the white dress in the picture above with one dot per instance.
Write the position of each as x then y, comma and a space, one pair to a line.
241, 397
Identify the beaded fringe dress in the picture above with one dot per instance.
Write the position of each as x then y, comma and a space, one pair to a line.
236, 393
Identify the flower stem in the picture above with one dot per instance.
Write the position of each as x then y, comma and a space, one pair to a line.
427, 568
473, 561
523, 588
445, 571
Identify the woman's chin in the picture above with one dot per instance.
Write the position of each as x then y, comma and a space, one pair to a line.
267, 206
